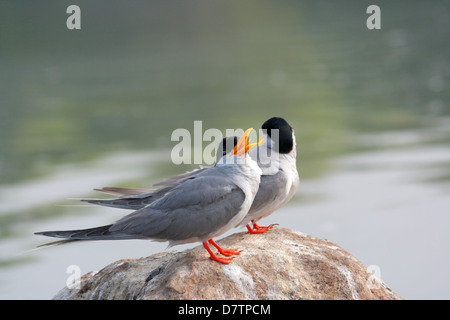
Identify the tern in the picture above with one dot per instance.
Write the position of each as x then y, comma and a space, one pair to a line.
198, 209
276, 157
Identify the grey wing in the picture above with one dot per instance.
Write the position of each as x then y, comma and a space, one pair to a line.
123, 192
131, 202
175, 180
193, 209
135, 199
269, 190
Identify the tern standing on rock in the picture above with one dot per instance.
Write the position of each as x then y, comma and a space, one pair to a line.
196, 210
276, 157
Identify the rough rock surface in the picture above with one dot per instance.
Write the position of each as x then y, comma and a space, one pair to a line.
280, 264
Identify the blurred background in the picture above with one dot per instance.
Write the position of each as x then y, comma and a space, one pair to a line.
96, 107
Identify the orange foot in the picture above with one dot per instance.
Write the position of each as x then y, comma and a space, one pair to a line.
225, 252
258, 229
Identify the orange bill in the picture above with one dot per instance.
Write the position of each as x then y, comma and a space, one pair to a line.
243, 145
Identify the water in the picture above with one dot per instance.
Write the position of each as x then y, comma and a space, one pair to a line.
96, 107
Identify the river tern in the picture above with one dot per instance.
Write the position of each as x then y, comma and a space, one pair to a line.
198, 209
276, 157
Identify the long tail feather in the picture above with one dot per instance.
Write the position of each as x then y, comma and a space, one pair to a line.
97, 233
129, 198
121, 203
131, 202
56, 243
121, 192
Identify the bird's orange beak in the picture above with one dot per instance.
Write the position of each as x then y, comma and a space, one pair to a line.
243, 146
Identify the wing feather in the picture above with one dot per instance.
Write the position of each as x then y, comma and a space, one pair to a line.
195, 208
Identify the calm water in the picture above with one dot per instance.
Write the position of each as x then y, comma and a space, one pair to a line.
96, 107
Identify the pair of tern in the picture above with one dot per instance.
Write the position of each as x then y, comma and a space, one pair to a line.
245, 185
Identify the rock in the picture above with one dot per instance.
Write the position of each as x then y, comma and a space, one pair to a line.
280, 264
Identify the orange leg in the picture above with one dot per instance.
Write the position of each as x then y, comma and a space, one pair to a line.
213, 256
225, 252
